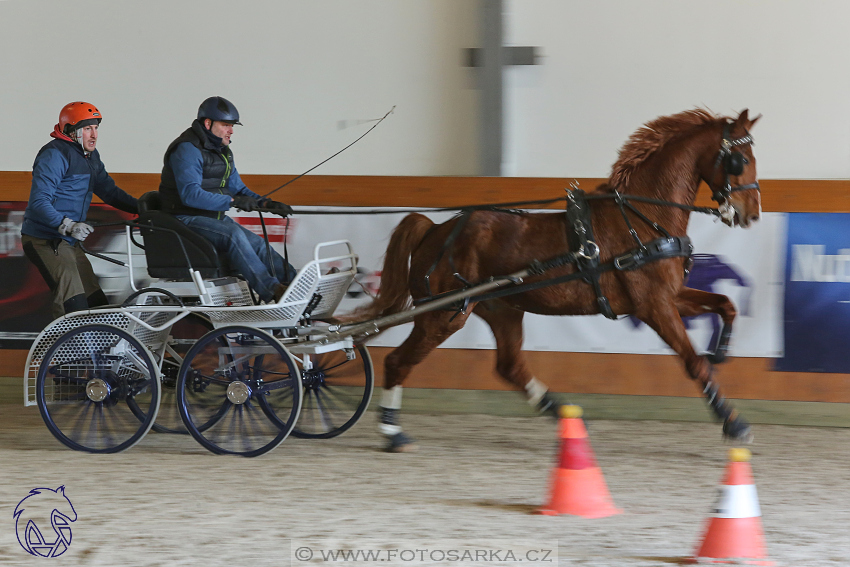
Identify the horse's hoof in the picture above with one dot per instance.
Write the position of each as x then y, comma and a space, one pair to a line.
738, 430
401, 443
549, 406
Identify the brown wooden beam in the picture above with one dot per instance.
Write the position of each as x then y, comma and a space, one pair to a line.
778, 195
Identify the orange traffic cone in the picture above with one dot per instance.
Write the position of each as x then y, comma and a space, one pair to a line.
577, 484
734, 532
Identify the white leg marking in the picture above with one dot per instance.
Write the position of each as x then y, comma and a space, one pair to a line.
535, 389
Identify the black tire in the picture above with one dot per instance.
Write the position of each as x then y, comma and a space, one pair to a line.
183, 335
337, 391
239, 391
97, 389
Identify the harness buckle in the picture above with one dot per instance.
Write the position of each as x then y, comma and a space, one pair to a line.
626, 262
594, 250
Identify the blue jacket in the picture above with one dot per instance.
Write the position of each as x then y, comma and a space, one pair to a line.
63, 181
199, 176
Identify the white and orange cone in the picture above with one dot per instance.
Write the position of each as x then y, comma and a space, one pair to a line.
578, 487
734, 533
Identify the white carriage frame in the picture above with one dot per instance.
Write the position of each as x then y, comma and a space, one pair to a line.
225, 301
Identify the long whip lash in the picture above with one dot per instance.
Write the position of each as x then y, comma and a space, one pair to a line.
333, 156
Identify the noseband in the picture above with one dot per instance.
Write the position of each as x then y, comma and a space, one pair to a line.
733, 164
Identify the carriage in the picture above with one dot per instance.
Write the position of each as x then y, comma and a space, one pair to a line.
195, 353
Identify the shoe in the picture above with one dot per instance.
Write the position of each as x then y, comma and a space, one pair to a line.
279, 290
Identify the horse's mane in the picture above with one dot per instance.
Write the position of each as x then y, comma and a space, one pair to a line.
650, 138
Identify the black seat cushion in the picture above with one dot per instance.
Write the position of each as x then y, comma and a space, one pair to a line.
164, 254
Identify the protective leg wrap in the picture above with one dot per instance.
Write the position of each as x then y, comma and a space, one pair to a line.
734, 426
716, 402
388, 422
722, 347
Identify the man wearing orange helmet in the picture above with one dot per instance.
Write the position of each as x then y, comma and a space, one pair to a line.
66, 172
200, 182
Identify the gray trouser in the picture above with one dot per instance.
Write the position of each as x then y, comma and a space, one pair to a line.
68, 274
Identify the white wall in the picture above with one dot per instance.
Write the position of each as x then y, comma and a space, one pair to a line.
296, 68
611, 65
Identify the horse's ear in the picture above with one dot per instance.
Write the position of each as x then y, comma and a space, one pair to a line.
753, 121
744, 121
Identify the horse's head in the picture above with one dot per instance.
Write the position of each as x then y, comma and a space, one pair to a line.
730, 172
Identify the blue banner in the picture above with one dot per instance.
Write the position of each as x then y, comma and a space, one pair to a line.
817, 294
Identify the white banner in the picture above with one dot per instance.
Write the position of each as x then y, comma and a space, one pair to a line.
744, 264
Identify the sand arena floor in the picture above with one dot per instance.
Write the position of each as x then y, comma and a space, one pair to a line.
476, 480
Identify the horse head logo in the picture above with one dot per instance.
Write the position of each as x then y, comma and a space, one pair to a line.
41, 506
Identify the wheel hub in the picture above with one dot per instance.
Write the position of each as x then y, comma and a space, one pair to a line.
313, 379
238, 392
97, 390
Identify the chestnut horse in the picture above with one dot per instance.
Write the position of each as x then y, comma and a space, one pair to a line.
650, 193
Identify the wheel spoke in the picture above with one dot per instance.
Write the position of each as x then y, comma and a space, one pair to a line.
222, 386
104, 401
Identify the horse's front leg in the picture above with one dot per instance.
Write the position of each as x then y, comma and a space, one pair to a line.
666, 321
693, 302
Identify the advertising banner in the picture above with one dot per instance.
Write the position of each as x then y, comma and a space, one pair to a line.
817, 294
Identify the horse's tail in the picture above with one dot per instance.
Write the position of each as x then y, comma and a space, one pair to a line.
394, 293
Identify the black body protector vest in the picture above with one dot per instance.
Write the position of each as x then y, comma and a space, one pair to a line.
217, 167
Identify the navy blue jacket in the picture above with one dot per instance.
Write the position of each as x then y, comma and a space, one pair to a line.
199, 175
63, 181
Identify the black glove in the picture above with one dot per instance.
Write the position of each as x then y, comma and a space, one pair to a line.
245, 203
276, 207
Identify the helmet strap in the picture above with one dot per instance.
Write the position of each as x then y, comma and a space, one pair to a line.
78, 137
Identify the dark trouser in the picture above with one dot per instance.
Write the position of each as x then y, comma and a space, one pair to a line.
245, 252
68, 274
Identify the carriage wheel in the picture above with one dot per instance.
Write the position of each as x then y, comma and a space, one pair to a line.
337, 391
97, 389
184, 334
239, 391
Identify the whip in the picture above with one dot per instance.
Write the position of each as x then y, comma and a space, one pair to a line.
379, 120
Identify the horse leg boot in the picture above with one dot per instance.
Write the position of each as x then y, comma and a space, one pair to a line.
664, 319
506, 324
734, 426
694, 302
389, 424
429, 330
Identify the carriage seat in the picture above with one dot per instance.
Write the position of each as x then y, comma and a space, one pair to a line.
164, 256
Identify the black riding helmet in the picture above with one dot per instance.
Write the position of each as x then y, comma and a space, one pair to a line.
219, 109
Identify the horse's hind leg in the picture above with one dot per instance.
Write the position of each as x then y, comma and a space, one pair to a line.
665, 320
429, 331
506, 324
692, 302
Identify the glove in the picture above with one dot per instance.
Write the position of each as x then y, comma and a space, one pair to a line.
77, 230
245, 203
276, 207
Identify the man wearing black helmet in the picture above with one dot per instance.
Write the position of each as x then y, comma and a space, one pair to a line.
199, 183
66, 173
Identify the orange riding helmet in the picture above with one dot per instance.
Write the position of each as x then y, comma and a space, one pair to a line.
78, 114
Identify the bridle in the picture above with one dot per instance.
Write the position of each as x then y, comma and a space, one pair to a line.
733, 164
